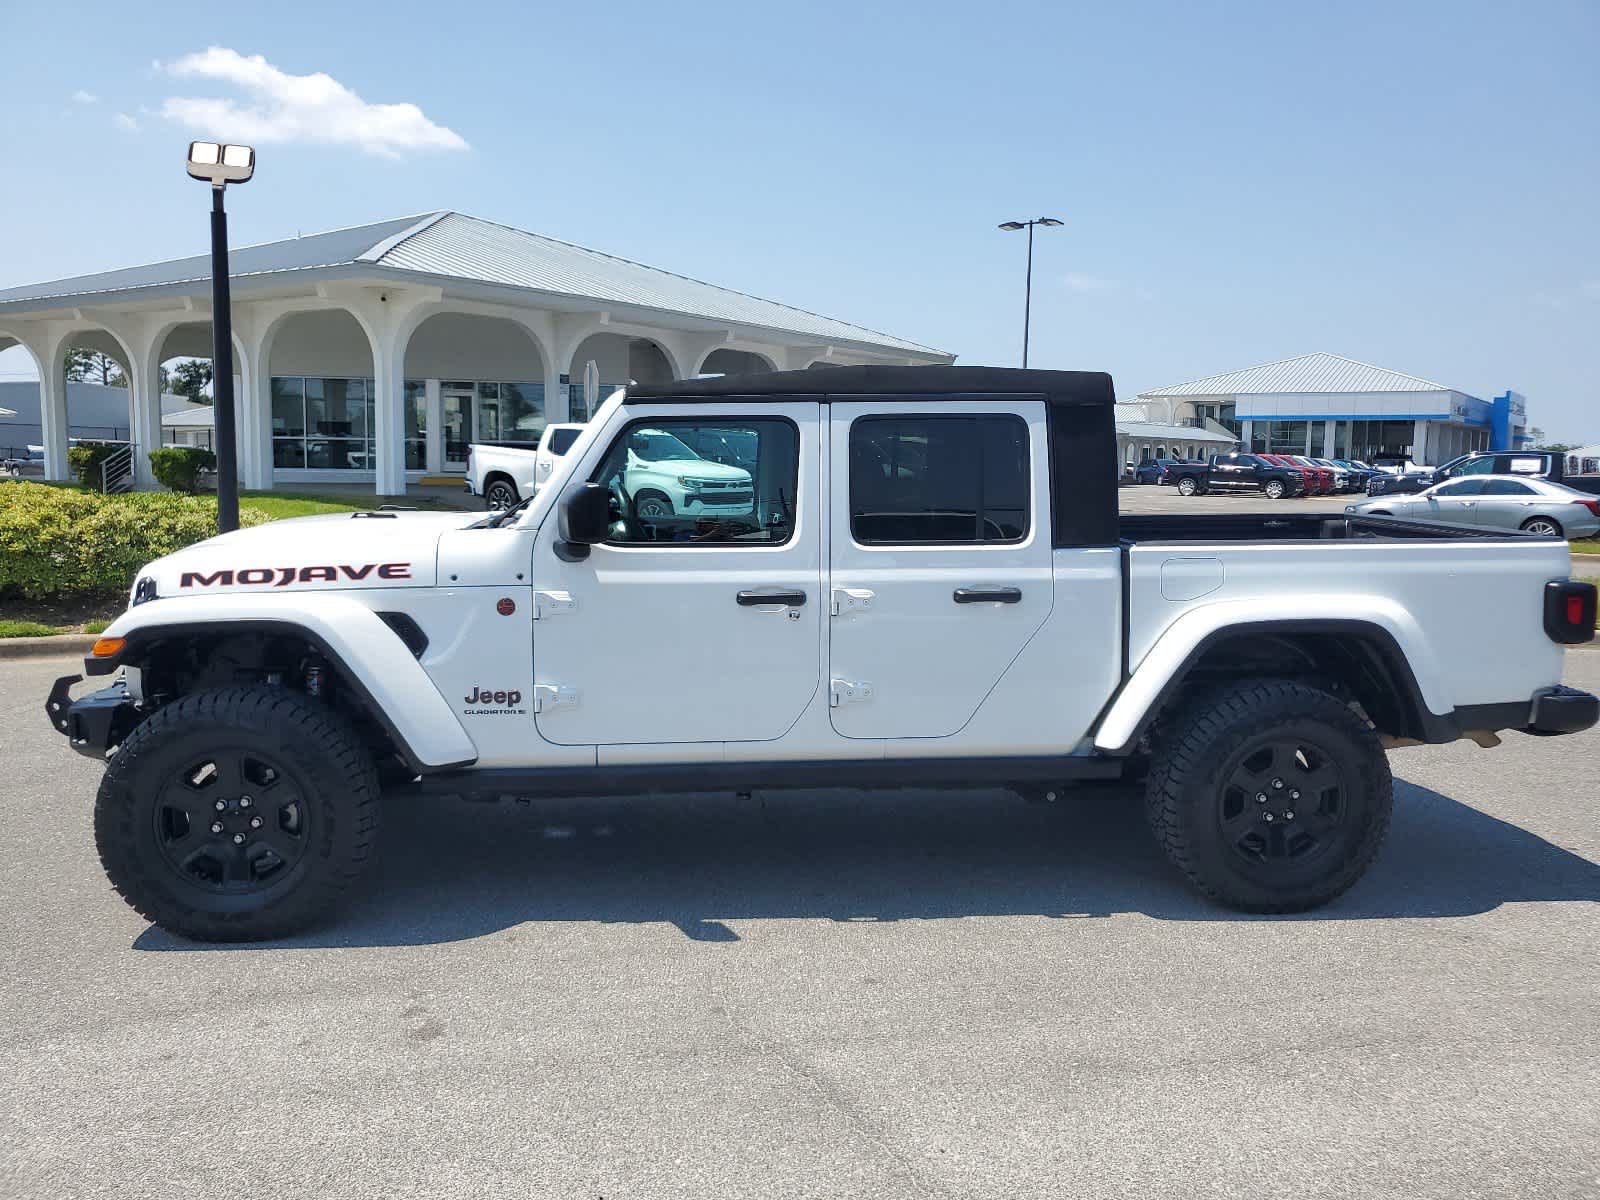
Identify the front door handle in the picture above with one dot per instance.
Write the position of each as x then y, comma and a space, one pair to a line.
1004, 595
759, 597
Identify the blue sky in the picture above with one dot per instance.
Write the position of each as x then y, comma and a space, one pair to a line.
1411, 184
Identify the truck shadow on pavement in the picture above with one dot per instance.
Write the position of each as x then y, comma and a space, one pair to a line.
452, 870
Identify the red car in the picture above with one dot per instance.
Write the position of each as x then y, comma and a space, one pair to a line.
1315, 485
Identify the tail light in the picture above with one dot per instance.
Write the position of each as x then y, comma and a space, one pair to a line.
1569, 611
1592, 505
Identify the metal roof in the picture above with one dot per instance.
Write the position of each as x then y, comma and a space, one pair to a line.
1308, 373
332, 249
448, 245
1172, 433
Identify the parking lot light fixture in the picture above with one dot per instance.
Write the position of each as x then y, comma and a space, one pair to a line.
220, 164
1027, 295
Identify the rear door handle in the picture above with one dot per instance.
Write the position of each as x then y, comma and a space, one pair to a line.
1004, 595
771, 596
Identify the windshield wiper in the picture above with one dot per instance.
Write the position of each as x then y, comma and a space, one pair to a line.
504, 515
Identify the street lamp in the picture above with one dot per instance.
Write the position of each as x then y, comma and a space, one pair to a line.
220, 165
1027, 295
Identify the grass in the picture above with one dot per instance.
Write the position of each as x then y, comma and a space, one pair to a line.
20, 629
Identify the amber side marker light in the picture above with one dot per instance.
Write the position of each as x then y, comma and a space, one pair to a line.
108, 647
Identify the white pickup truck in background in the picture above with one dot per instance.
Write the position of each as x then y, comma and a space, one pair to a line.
665, 475
503, 473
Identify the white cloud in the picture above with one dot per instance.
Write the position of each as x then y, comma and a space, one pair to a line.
1088, 283
124, 122
281, 108
82, 97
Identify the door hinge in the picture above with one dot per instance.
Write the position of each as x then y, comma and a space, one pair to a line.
553, 695
548, 604
847, 600
847, 691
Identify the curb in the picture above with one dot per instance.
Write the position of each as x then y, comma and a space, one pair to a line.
47, 647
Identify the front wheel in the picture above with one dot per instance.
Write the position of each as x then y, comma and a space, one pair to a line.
1273, 489
1269, 795
653, 506
1187, 486
237, 814
1543, 526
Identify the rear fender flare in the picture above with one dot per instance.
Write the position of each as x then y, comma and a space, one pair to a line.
365, 652
1183, 643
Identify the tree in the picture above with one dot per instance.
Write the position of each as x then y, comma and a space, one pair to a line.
192, 378
91, 366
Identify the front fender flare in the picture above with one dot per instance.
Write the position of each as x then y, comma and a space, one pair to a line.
368, 656
1181, 644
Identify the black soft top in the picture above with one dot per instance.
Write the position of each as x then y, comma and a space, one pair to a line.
1058, 388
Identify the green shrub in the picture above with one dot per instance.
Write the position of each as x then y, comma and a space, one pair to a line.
58, 542
179, 467
85, 458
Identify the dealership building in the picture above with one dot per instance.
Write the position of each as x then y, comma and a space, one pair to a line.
378, 354
1334, 407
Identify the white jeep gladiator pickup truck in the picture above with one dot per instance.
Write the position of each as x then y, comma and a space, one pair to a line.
925, 582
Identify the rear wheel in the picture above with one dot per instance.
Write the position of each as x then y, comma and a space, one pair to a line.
500, 494
237, 814
1274, 489
1545, 526
1187, 486
1270, 796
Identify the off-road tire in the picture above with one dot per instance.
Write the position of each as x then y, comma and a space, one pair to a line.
500, 494
1196, 754
1187, 486
322, 759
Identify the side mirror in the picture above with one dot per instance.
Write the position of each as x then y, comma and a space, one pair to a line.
584, 520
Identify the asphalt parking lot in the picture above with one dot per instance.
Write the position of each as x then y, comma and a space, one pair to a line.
829, 994
1156, 498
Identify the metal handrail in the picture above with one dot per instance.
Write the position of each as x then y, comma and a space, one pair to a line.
116, 470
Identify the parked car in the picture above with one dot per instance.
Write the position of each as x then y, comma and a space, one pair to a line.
1316, 482
907, 632
1498, 501
1538, 464
1326, 480
1237, 472
29, 464
1359, 473
1151, 470
504, 473
1341, 476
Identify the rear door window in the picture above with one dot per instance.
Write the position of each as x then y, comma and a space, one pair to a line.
923, 479
1507, 487
561, 440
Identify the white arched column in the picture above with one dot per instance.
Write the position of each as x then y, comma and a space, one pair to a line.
47, 347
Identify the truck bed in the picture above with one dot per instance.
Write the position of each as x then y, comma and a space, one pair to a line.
1295, 527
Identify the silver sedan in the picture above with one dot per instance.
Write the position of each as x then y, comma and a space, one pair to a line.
1502, 501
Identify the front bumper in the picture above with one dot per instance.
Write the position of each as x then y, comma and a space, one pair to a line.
95, 723
1561, 710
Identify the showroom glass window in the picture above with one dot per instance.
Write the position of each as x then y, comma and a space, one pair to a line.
322, 423
916, 479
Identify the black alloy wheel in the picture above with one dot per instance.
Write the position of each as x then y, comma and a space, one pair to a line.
499, 495
1283, 801
232, 821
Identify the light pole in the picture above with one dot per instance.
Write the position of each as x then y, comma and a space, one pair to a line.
220, 165
1027, 295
